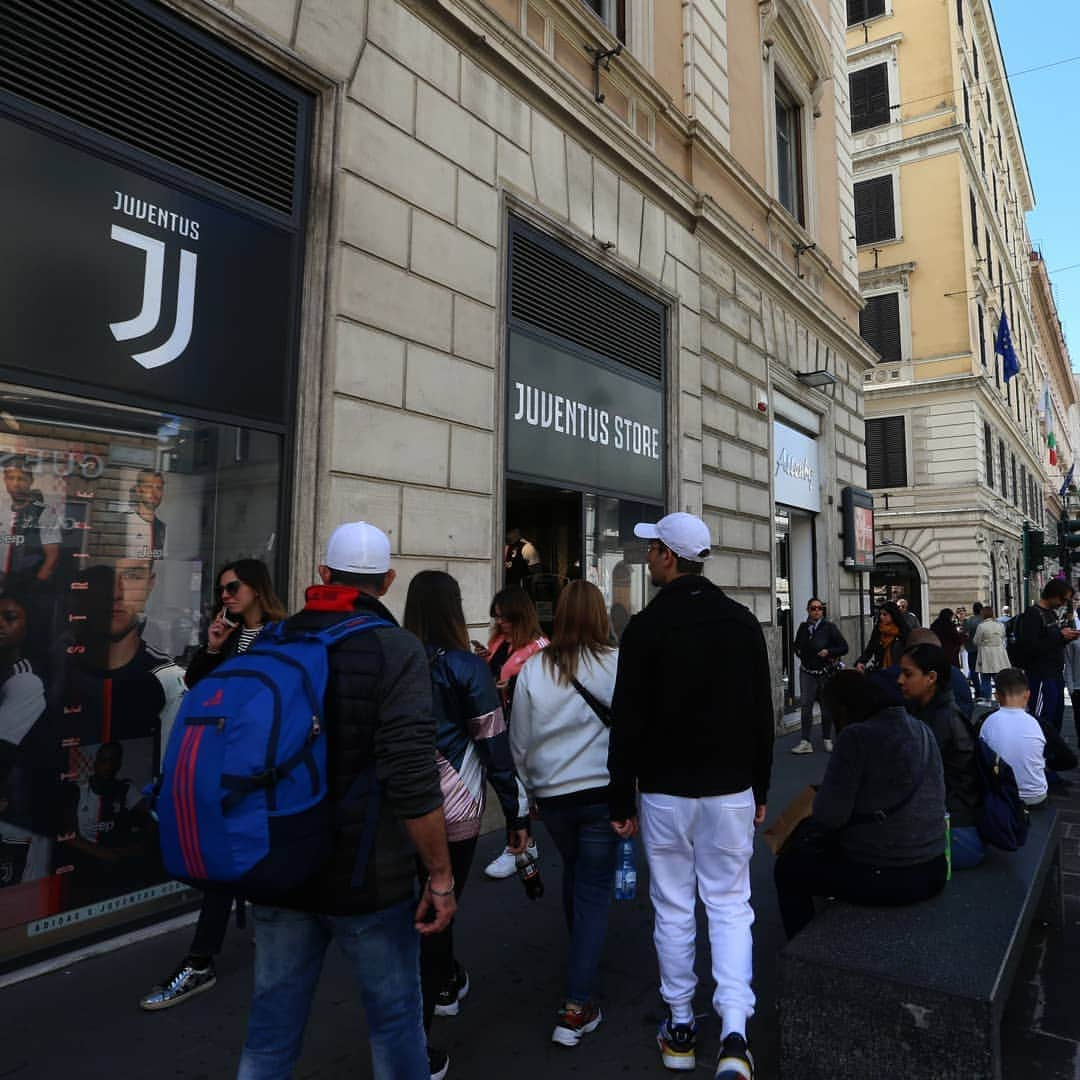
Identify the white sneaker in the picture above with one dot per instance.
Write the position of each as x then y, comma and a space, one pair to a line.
504, 865
802, 747
827, 743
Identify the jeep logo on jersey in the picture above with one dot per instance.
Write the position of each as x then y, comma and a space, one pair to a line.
150, 313
126, 279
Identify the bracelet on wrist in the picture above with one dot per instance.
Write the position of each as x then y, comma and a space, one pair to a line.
436, 892
212, 652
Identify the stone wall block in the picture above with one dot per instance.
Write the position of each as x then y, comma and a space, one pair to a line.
652, 240
717, 340
415, 44
631, 208
449, 129
383, 296
352, 499
683, 244
472, 459
478, 208
748, 294
379, 151
274, 16
690, 371
492, 102
736, 387
736, 533
579, 175
444, 386
375, 221
690, 500
721, 492
605, 203
446, 254
754, 500
514, 166
549, 164
370, 440
369, 364
690, 459
708, 298
689, 285
474, 331
689, 329
751, 361
718, 415
330, 34
717, 269
445, 523
710, 369
690, 416
384, 86
734, 316
735, 459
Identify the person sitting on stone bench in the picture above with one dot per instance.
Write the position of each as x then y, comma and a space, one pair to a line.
924, 682
877, 831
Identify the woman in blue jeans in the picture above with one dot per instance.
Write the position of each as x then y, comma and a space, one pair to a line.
560, 748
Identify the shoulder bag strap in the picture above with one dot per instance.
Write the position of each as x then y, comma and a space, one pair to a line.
602, 711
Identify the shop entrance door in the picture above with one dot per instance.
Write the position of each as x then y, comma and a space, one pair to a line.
796, 582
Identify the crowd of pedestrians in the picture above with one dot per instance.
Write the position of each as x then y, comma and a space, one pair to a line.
666, 731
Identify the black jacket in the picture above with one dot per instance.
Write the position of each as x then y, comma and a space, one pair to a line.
380, 727
693, 712
204, 661
875, 650
826, 635
956, 741
1041, 646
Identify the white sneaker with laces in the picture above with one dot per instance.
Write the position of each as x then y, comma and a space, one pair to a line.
828, 745
803, 746
504, 865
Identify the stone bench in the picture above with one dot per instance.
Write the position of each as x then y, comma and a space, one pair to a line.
883, 993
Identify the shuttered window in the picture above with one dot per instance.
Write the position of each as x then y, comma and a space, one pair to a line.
860, 10
875, 214
158, 85
556, 291
974, 220
982, 335
967, 106
1024, 490
869, 91
988, 454
1001, 472
879, 325
960, 13
886, 452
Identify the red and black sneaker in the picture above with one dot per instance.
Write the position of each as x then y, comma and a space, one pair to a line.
574, 1022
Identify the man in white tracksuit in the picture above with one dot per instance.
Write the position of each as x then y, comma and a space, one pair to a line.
693, 731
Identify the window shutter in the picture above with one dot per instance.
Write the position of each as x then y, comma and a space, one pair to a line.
875, 216
988, 453
869, 92
879, 325
974, 220
886, 452
860, 10
982, 335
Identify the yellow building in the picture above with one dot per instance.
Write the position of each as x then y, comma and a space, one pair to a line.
956, 454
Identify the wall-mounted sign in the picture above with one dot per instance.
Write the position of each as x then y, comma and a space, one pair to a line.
796, 476
858, 511
115, 281
577, 422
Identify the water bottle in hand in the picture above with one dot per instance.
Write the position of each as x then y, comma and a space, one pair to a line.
528, 869
625, 872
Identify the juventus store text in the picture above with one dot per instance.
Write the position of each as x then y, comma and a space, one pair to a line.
276, 266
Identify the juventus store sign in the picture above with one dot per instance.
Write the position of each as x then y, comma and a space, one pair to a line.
148, 319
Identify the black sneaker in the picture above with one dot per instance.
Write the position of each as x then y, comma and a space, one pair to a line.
439, 1062
446, 1002
185, 982
678, 1043
735, 1061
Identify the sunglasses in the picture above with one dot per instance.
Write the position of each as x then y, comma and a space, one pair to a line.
230, 588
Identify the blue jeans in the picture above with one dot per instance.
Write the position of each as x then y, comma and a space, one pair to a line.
588, 846
1047, 700
982, 685
968, 849
383, 949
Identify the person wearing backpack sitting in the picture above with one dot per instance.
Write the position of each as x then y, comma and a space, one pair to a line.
877, 831
924, 682
381, 733
1014, 734
1041, 639
248, 602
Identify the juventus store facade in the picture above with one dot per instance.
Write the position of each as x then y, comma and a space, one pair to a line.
148, 330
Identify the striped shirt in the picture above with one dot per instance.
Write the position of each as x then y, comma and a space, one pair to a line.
245, 636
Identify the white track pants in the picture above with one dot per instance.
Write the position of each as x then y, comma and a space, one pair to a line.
702, 847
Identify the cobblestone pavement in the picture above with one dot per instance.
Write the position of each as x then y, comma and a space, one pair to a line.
83, 1021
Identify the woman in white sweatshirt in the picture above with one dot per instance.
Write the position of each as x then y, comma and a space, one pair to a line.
559, 740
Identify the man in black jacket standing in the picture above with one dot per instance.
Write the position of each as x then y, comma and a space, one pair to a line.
1041, 638
693, 729
818, 645
384, 784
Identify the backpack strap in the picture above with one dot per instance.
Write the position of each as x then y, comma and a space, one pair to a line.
240, 786
880, 816
331, 635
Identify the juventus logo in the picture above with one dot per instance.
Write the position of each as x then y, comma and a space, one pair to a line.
150, 313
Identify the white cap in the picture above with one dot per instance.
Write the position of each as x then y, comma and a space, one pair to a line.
358, 548
685, 534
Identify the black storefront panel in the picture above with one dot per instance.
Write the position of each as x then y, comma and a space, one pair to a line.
122, 283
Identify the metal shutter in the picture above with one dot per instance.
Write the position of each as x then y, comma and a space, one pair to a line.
879, 325
886, 452
869, 90
568, 297
113, 67
875, 215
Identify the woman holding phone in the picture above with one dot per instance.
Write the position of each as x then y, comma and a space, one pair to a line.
246, 603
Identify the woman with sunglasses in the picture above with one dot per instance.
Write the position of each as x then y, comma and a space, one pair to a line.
248, 603
516, 638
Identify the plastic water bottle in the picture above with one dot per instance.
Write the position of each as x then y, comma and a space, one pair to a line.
948, 847
528, 869
625, 872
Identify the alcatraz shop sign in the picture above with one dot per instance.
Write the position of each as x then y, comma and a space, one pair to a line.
113, 280
570, 420
796, 477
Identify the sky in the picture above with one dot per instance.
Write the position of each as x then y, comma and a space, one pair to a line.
1033, 33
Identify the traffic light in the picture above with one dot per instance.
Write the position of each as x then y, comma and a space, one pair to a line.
1068, 540
1035, 550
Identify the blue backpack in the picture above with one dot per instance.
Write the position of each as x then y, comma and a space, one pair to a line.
1002, 819
242, 802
